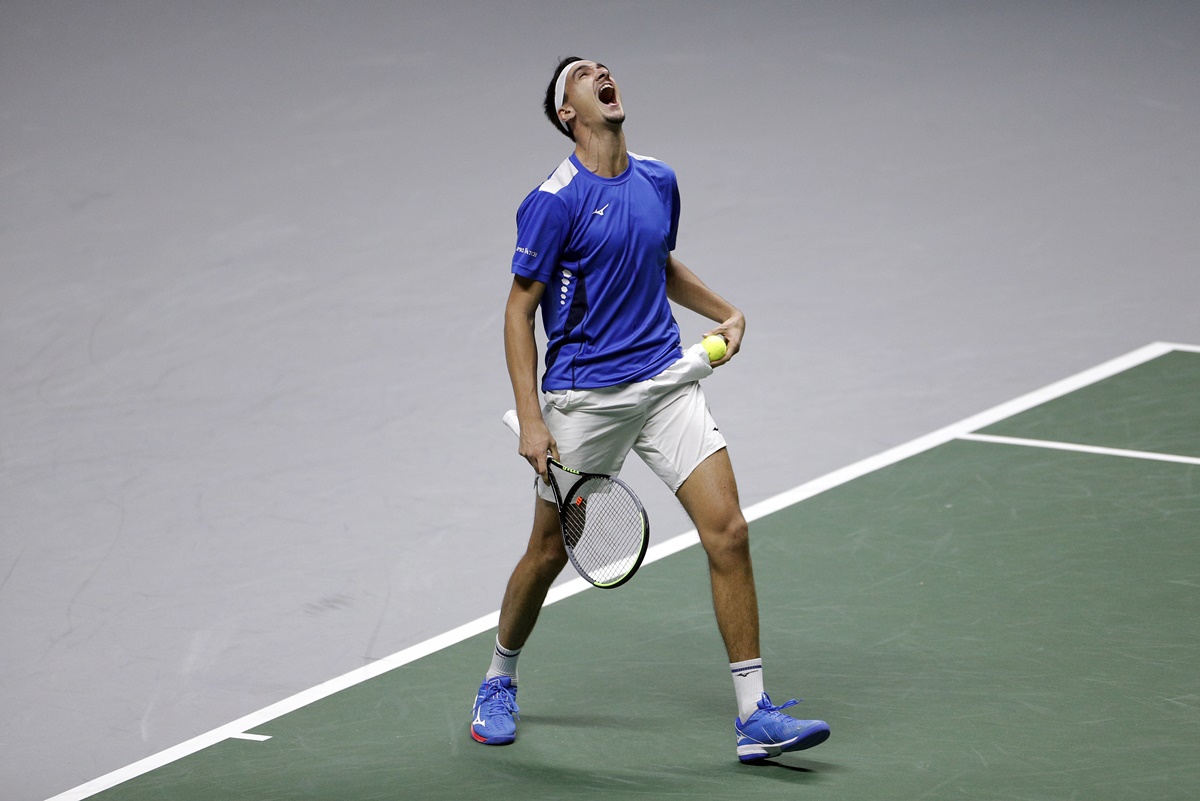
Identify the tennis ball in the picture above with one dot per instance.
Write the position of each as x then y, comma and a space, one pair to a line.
714, 346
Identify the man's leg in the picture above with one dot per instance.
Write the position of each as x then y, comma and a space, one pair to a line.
544, 559
494, 715
710, 497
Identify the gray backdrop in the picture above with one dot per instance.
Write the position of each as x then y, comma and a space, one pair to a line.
253, 259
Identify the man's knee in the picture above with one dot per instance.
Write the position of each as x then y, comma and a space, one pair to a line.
728, 540
545, 542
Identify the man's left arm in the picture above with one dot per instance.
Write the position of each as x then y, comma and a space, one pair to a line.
685, 288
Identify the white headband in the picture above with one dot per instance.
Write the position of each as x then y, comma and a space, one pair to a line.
560, 91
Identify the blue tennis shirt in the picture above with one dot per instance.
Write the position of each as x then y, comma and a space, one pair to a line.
600, 245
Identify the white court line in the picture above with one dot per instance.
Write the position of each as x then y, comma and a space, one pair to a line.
656, 552
1077, 448
994, 415
257, 738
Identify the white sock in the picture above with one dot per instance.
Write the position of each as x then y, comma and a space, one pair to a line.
504, 662
747, 685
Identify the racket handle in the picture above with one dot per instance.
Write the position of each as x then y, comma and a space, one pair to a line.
510, 420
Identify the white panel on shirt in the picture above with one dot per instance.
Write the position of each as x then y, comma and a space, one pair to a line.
560, 178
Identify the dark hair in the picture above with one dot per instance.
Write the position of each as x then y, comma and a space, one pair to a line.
550, 104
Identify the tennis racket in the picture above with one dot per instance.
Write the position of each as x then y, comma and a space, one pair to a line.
604, 527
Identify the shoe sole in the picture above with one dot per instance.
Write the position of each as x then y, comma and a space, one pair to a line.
758, 752
500, 740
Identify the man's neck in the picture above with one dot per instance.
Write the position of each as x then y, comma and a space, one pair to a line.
603, 152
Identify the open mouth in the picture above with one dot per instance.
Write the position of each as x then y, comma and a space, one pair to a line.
608, 94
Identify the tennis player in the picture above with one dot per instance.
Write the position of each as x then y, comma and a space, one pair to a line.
594, 254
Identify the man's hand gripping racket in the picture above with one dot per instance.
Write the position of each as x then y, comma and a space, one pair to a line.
604, 527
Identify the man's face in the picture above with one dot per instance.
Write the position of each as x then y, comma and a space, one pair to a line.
593, 94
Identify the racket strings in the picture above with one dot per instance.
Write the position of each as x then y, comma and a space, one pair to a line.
604, 529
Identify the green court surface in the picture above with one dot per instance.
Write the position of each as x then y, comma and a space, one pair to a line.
1152, 407
979, 620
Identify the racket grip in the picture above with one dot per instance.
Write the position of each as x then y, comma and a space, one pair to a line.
510, 420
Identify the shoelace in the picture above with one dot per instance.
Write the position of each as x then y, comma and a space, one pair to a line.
765, 704
500, 701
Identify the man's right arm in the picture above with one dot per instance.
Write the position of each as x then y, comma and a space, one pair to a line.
521, 355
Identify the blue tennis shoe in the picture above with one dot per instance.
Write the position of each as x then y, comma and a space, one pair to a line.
494, 717
768, 732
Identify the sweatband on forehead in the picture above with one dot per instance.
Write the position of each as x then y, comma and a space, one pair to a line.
560, 90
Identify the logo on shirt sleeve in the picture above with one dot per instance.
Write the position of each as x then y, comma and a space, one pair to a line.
530, 253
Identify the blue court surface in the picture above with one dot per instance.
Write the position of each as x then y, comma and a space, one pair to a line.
1005, 608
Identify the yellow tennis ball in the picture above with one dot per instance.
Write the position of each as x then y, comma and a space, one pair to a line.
715, 347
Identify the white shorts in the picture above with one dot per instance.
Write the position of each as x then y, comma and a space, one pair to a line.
664, 419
